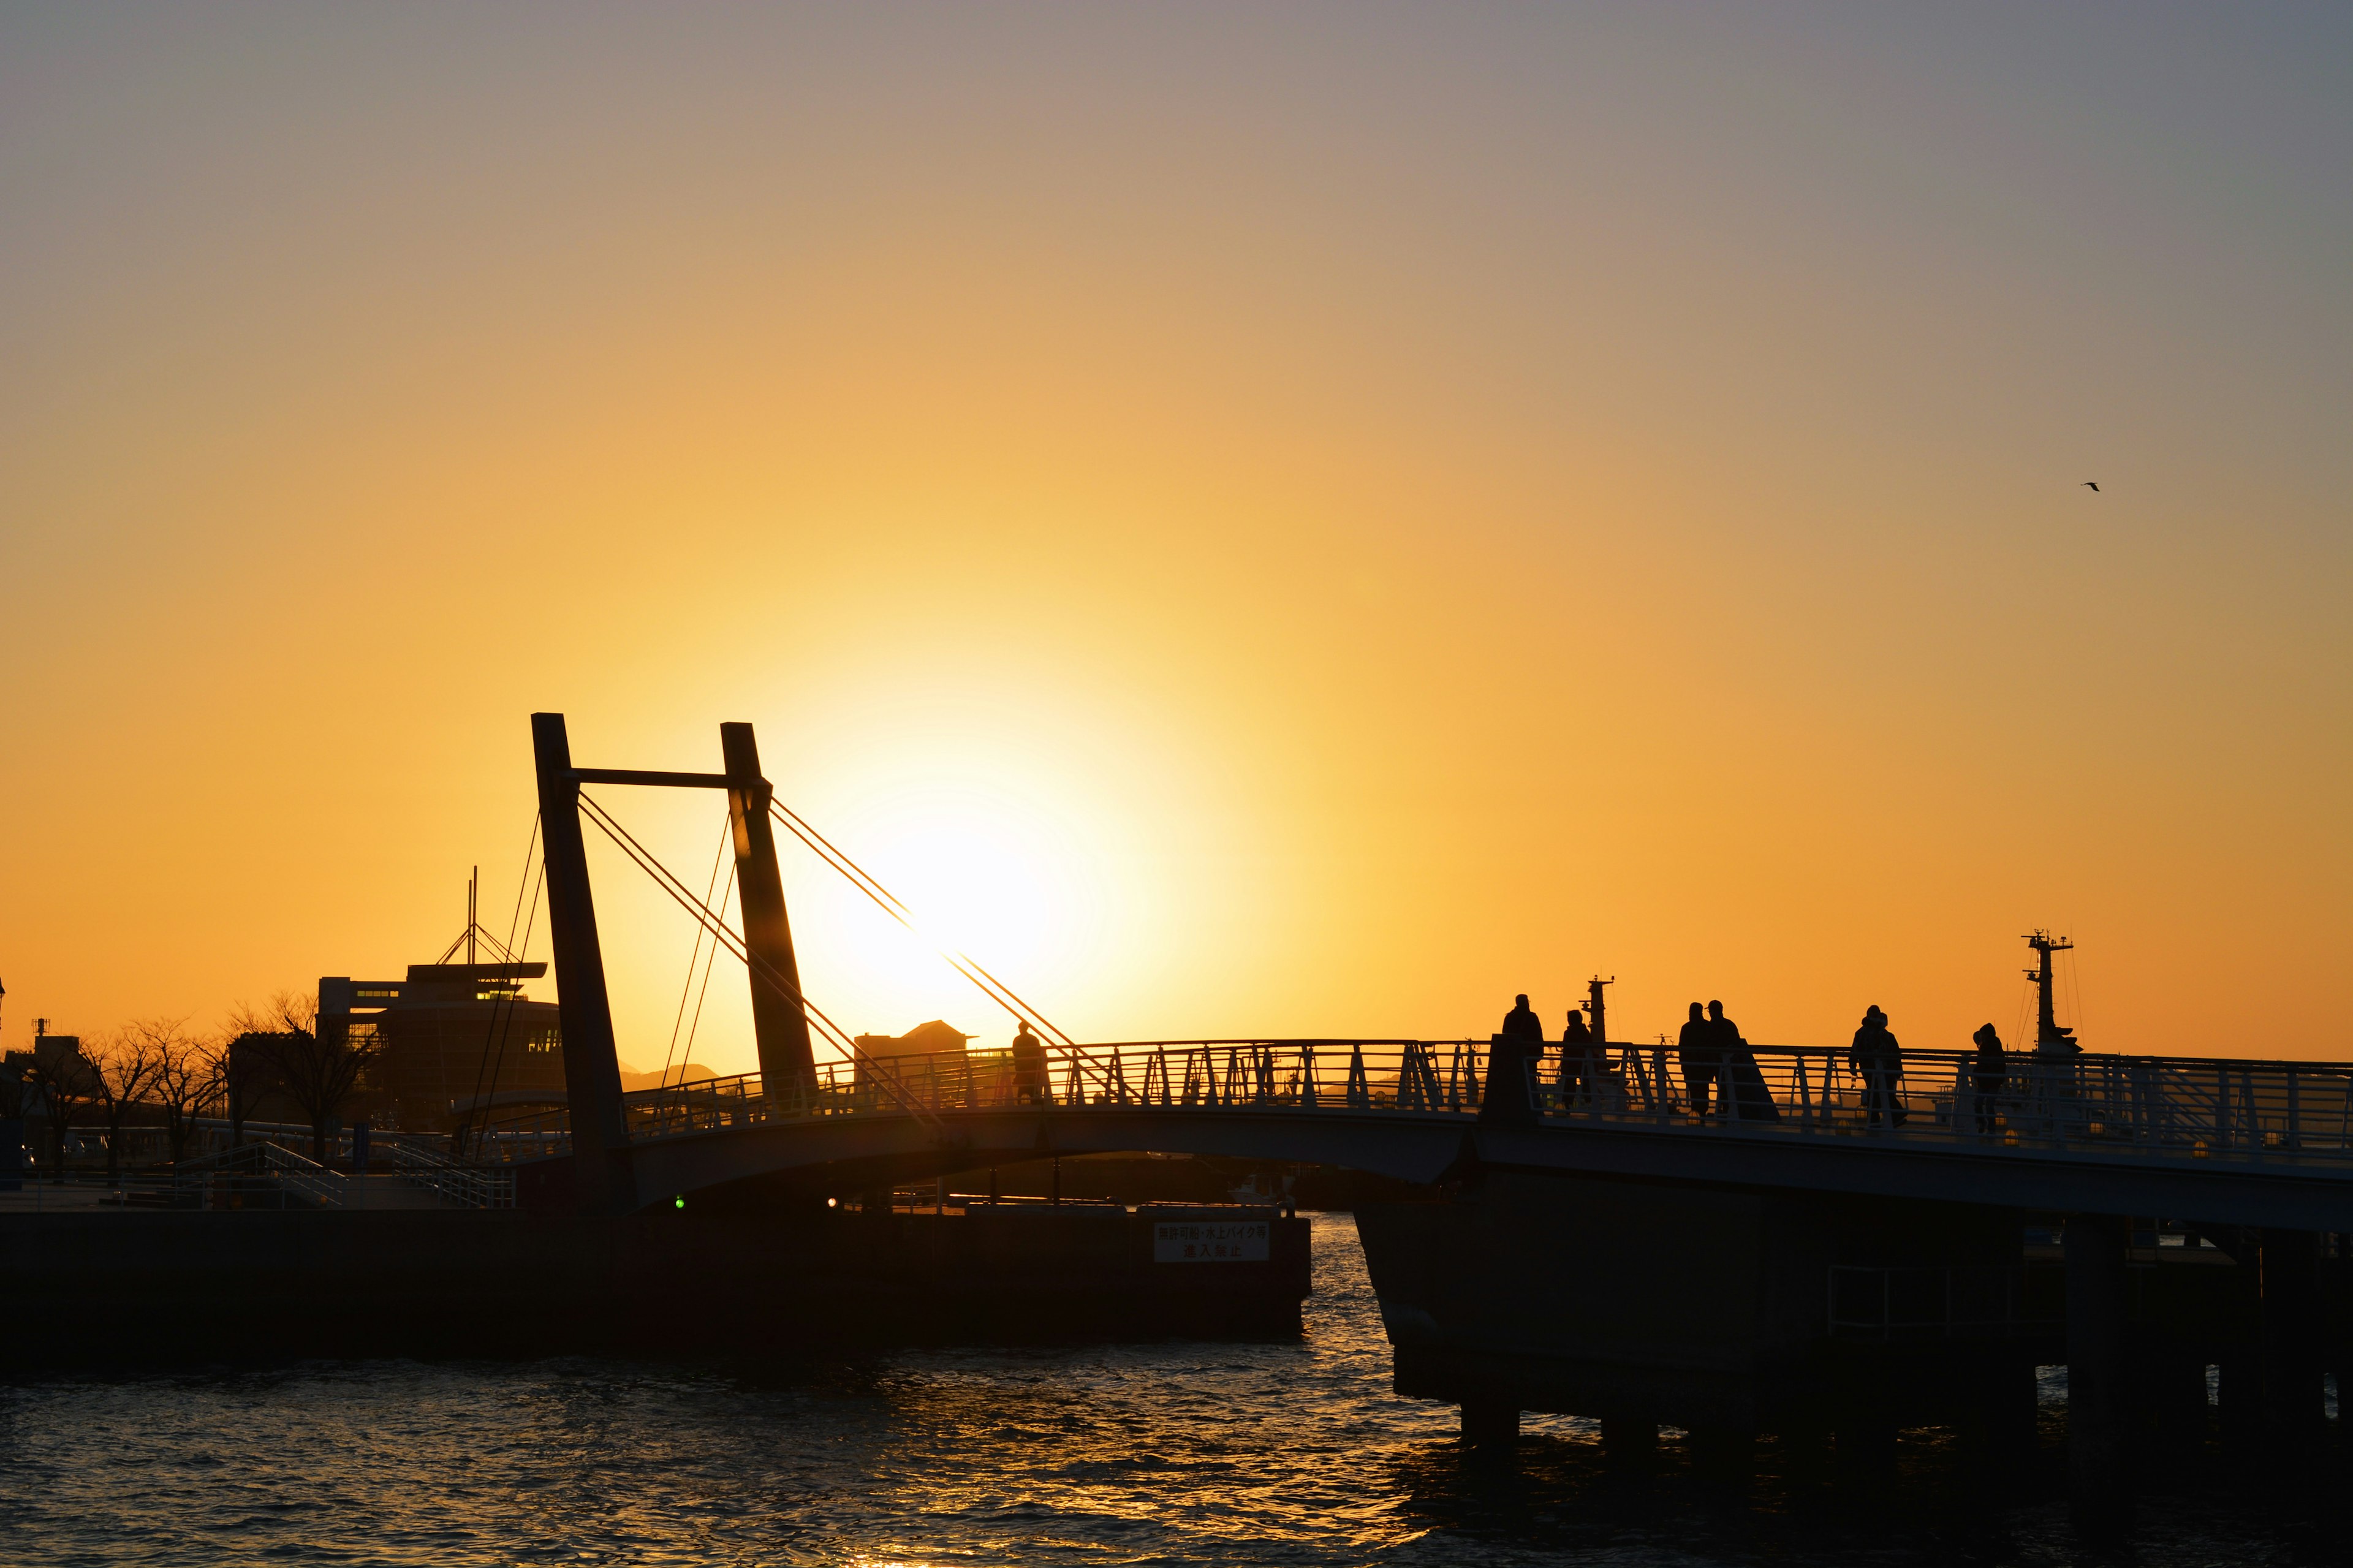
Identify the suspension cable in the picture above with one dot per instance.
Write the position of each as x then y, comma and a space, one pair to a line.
515, 994
989, 984
496, 1032
694, 955
762, 971
684, 897
711, 960
996, 990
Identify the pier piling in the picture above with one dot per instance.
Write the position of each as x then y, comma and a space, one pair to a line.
2098, 1386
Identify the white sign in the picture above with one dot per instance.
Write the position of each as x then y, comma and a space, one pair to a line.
1209, 1241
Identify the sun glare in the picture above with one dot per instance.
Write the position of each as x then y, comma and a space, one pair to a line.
1005, 878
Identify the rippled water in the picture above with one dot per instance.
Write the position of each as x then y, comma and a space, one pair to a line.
1165, 1453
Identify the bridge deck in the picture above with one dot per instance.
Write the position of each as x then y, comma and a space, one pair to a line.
2147, 1133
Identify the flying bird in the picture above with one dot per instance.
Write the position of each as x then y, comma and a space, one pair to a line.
2093, 485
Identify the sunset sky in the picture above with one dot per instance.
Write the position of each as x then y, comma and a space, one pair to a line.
1258, 521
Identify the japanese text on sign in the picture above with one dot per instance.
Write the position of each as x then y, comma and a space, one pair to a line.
1209, 1241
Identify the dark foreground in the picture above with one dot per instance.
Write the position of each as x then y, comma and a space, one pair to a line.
1172, 1452
164, 1288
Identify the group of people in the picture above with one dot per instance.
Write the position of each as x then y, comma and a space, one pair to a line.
1721, 1079
1583, 1060
1720, 1074
1879, 1061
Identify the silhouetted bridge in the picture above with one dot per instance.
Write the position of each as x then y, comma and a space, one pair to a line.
2222, 1141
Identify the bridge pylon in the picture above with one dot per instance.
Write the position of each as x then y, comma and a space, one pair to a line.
592, 1067
779, 1017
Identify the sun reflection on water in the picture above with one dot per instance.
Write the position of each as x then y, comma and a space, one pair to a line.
1292, 1451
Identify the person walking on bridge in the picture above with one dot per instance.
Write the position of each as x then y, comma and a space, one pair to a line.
1989, 1077
1880, 1060
1029, 1082
1513, 1052
1740, 1088
1695, 1053
1580, 1063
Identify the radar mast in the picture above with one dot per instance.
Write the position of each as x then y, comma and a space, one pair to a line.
2048, 1037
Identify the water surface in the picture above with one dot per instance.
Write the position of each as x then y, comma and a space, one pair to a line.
1162, 1453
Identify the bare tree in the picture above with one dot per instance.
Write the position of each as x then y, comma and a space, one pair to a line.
65, 1082
122, 1069
186, 1082
317, 1069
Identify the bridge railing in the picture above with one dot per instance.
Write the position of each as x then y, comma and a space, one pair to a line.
2186, 1107
1389, 1074
2193, 1107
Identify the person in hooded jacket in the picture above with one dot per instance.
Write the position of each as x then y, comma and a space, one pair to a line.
1989, 1077
1580, 1065
1514, 1051
1696, 1053
1740, 1088
1030, 1082
1876, 1057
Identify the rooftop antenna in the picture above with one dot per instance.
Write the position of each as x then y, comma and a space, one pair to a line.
2048, 1035
474, 938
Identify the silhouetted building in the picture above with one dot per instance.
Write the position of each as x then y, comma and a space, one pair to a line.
930, 1059
448, 1037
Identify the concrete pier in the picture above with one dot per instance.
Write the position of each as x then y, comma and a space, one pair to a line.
2293, 1357
164, 1287
1843, 1323
2099, 1387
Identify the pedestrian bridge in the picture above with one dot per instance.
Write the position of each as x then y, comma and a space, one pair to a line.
2216, 1141
2213, 1141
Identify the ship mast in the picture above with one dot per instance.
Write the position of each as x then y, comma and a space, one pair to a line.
2048, 1035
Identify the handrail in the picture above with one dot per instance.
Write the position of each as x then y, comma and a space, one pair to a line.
295, 1173
2148, 1107
464, 1185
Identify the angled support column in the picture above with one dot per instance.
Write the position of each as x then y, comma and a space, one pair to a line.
779, 1022
592, 1071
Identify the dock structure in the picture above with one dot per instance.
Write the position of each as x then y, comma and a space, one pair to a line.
1792, 1263
1816, 1256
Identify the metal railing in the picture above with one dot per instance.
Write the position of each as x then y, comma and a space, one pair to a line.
2156, 1106
283, 1169
2189, 1107
468, 1186
266, 1170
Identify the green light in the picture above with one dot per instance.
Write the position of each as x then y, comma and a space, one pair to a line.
678, 1203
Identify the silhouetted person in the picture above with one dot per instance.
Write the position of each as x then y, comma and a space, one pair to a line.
1695, 1053
1877, 1058
1030, 1068
1740, 1088
1580, 1063
1989, 1077
1515, 1048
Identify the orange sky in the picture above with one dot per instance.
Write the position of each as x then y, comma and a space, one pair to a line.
1303, 524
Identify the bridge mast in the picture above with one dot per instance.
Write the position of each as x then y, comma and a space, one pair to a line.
592, 1070
779, 1022
2048, 1035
